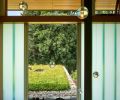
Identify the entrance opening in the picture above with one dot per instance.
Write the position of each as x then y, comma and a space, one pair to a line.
52, 73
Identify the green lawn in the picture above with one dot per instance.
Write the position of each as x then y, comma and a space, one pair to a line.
42, 78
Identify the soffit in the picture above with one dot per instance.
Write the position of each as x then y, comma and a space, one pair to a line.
60, 4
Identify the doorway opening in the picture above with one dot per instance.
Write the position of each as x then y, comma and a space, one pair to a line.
52, 72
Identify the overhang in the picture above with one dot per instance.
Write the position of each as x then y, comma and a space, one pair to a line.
60, 4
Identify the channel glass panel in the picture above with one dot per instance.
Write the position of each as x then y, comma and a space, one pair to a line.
8, 81
106, 61
13, 61
97, 61
117, 61
109, 68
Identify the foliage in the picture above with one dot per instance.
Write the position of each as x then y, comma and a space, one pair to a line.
48, 13
52, 42
74, 75
47, 79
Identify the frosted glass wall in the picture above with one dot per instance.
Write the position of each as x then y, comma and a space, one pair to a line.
106, 61
13, 62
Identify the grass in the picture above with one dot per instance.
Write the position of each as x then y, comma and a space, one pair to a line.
47, 79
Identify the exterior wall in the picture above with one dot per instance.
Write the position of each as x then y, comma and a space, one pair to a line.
13, 61
106, 61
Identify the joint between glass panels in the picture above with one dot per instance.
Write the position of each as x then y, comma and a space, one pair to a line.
103, 61
13, 61
115, 58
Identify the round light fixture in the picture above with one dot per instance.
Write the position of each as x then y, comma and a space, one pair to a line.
82, 13
23, 5
95, 74
52, 64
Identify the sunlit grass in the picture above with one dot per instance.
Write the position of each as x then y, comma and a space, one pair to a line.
46, 78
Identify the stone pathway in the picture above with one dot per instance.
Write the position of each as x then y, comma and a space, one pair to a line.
52, 95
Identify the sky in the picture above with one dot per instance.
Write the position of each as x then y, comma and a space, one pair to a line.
14, 13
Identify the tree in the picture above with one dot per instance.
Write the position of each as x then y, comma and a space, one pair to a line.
52, 42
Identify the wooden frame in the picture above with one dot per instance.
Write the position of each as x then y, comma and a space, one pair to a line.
26, 61
3, 9
88, 52
95, 18
79, 77
39, 19
1, 61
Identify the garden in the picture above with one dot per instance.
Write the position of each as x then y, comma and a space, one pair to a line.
44, 78
51, 45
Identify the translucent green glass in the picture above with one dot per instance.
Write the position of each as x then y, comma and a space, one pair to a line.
97, 61
13, 62
106, 56
8, 62
117, 61
109, 63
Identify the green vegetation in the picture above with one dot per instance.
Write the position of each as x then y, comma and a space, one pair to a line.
74, 75
42, 77
52, 42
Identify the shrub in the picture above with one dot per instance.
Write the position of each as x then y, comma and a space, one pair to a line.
44, 78
74, 75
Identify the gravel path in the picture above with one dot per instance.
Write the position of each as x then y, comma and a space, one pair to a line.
52, 95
